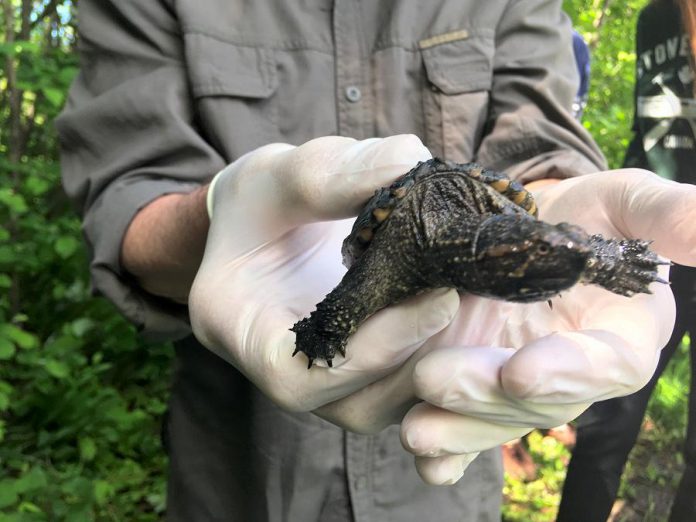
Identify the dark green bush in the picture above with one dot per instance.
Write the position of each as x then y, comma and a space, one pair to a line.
80, 396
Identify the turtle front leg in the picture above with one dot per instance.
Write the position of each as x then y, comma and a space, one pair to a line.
373, 282
623, 266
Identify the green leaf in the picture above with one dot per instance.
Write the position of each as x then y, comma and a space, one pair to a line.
88, 448
67, 74
81, 326
79, 488
34, 480
66, 246
22, 338
103, 491
57, 369
37, 185
8, 255
17, 47
15, 202
29, 507
8, 495
5, 281
54, 96
64, 343
7, 349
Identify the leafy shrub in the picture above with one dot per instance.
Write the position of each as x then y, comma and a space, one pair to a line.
80, 395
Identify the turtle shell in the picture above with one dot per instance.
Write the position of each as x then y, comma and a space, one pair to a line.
377, 210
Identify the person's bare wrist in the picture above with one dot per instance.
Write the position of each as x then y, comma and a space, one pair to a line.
164, 243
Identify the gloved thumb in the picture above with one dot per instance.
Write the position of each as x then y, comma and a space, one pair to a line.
331, 178
324, 179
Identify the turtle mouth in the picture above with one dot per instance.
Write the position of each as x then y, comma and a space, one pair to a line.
540, 290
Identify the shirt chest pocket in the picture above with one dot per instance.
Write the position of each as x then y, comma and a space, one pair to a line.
459, 71
233, 87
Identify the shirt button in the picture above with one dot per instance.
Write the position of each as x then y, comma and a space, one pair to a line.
353, 94
360, 483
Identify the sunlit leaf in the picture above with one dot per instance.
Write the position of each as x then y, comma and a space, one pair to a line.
81, 326
22, 338
13, 201
54, 95
57, 369
88, 448
66, 246
103, 491
7, 349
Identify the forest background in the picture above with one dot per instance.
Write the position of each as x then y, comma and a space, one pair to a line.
82, 397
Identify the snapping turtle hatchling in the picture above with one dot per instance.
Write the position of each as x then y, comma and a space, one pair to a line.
444, 224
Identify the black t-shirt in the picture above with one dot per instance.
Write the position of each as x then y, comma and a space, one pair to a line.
665, 109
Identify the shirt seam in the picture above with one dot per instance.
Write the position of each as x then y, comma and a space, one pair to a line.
285, 45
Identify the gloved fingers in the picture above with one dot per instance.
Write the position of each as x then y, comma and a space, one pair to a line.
469, 381
613, 353
378, 405
278, 187
390, 336
445, 470
429, 431
629, 203
382, 403
651, 207
332, 177
380, 345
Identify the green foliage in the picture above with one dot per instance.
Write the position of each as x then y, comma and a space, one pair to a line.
655, 466
669, 402
81, 397
537, 500
609, 28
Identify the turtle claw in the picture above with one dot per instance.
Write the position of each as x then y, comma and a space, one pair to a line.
315, 343
623, 266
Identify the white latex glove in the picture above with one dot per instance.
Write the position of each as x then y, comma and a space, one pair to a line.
272, 254
500, 369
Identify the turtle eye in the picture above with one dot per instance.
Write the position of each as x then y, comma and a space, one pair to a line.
543, 249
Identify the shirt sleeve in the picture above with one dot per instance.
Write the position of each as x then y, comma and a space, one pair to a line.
128, 136
532, 133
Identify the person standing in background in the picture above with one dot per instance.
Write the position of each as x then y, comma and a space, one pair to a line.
664, 142
582, 60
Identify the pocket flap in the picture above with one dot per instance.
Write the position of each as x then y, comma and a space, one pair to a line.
460, 65
219, 68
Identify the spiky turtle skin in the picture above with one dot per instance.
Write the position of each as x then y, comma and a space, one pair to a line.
445, 224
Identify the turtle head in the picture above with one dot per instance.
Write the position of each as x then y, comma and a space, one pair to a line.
522, 259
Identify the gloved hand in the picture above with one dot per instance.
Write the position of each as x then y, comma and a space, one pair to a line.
500, 369
273, 252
